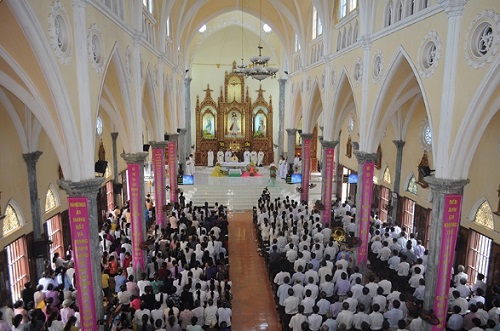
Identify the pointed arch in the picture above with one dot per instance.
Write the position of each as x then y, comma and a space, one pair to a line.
149, 110
168, 105
315, 108
52, 199
13, 220
296, 109
484, 106
400, 85
411, 184
482, 214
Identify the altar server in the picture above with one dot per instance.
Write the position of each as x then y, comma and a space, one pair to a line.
253, 157
246, 156
227, 156
220, 156
260, 158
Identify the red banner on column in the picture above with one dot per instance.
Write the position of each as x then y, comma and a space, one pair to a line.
366, 205
327, 183
172, 170
451, 222
136, 214
306, 166
159, 175
80, 240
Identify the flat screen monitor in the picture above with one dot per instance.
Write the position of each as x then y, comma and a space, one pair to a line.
296, 179
185, 180
352, 179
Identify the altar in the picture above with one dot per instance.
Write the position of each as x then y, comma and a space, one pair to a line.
234, 122
234, 169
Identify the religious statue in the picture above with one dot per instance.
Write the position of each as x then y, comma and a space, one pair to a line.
210, 159
220, 156
260, 158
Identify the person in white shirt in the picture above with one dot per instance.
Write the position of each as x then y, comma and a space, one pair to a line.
224, 314
345, 316
460, 302
315, 319
360, 317
376, 318
297, 320
461, 274
418, 294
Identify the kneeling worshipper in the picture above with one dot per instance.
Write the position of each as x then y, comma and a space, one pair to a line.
252, 171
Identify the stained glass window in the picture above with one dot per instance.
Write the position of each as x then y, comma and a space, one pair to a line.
387, 175
50, 200
484, 216
11, 220
412, 185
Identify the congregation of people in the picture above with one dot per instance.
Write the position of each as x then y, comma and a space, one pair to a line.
318, 285
185, 284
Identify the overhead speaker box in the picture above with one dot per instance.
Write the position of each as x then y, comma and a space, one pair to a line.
145, 148
100, 167
117, 188
166, 137
425, 171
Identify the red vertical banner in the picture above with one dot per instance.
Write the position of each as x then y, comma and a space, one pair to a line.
329, 164
306, 166
451, 222
366, 205
159, 175
80, 240
136, 214
172, 170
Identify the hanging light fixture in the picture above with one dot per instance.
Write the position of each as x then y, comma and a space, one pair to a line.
241, 69
259, 68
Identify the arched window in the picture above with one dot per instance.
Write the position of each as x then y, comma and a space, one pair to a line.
317, 27
296, 47
12, 220
343, 8
484, 215
339, 41
355, 32
388, 14
349, 37
400, 14
412, 185
51, 200
148, 4
387, 175
168, 26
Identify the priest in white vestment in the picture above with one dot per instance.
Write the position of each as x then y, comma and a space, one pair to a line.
260, 158
191, 159
220, 156
246, 156
227, 156
253, 157
188, 170
210, 159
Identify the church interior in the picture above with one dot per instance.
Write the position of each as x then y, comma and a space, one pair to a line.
97, 97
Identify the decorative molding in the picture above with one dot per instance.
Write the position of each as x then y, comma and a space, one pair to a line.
424, 132
333, 77
482, 39
429, 54
378, 66
59, 32
95, 48
128, 62
358, 71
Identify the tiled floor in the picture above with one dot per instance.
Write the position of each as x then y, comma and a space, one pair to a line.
253, 303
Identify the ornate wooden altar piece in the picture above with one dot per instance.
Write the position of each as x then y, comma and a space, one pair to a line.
234, 122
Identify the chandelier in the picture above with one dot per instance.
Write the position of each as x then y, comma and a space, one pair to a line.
259, 65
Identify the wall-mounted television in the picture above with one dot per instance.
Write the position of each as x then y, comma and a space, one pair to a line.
296, 179
185, 180
352, 179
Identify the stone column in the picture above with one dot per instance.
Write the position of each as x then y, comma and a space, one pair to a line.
366, 164
291, 148
159, 176
397, 178
172, 166
135, 171
187, 105
181, 149
306, 165
281, 116
114, 137
327, 175
31, 159
445, 223
82, 207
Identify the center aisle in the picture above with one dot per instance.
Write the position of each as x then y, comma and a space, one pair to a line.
253, 302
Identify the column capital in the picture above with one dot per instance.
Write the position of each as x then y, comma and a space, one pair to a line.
399, 143
291, 131
282, 81
134, 157
173, 136
364, 157
446, 186
187, 80
306, 135
87, 188
32, 158
158, 144
453, 7
329, 144
114, 135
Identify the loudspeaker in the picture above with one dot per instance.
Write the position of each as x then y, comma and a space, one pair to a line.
145, 148
117, 188
40, 248
166, 137
100, 167
425, 170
